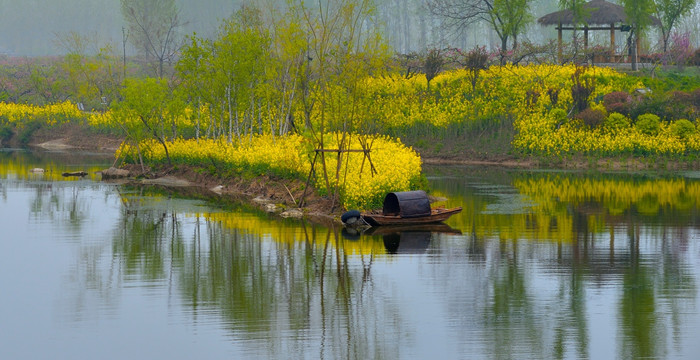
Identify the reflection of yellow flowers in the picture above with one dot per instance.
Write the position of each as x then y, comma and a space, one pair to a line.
616, 196
551, 204
50, 171
398, 167
293, 232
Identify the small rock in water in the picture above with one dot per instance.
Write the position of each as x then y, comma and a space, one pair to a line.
271, 208
37, 170
217, 189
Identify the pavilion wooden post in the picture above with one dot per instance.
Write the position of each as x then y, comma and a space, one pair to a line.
560, 41
585, 37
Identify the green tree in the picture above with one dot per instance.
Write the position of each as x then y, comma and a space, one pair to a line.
579, 16
286, 69
432, 65
192, 69
639, 17
143, 110
242, 51
508, 18
90, 79
153, 27
343, 48
669, 12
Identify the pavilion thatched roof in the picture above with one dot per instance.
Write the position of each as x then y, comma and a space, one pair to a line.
600, 12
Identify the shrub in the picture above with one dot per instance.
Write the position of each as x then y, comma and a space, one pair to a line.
696, 98
654, 103
680, 105
581, 90
695, 60
616, 122
25, 135
648, 124
618, 101
682, 128
6, 133
592, 117
681, 97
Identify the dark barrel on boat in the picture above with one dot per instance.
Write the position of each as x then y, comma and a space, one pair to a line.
407, 204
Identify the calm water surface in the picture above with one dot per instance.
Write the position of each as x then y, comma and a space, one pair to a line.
538, 265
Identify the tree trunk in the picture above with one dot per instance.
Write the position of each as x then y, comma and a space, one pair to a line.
504, 49
633, 48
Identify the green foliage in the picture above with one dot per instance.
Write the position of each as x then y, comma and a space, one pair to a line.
616, 122
682, 128
143, 111
664, 80
576, 7
653, 103
681, 106
670, 12
648, 124
6, 132
25, 134
510, 18
559, 116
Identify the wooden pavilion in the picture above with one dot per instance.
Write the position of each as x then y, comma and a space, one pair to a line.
599, 15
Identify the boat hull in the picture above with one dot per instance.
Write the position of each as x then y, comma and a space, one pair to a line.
436, 216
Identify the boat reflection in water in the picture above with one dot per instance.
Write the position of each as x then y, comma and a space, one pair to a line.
404, 239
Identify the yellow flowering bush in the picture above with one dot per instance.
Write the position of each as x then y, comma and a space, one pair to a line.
398, 167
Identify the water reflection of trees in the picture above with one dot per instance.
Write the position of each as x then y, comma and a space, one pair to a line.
588, 233
287, 292
302, 288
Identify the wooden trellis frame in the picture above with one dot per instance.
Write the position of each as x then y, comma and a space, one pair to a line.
367, 157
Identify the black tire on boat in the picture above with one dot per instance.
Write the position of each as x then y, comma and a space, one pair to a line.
350, 217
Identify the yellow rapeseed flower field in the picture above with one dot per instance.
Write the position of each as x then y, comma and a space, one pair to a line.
398, 167
18, 115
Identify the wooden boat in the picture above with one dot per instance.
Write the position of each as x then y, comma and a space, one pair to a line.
436, 215
408, 208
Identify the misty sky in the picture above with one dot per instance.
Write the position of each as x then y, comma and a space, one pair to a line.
31, 27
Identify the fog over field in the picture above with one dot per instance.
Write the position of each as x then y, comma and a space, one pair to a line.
31, 27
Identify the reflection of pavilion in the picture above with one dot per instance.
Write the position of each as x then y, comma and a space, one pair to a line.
597, 15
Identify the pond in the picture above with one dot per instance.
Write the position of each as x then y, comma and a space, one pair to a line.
539, 264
